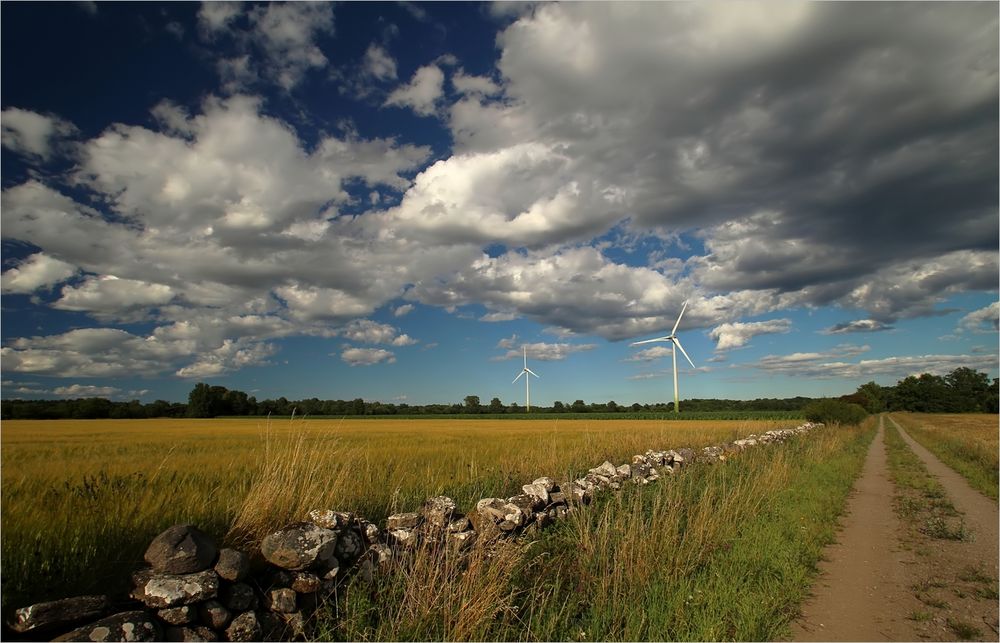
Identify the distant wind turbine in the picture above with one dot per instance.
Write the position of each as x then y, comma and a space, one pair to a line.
672, 338
525, 372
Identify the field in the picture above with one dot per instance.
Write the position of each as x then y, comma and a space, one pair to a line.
81, 499
966, 442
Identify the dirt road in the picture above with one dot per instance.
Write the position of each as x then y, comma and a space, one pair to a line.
886, 580
862, 592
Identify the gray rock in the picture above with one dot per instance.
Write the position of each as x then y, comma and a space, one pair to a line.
537, 491
605, 469
177, 615
685, 455
381, 554
181, 549
370, 531
498, 511
461, 540
170, 590
59, 613
282, 599
624, 471
403, 521
330, 570
557, 498
546, 482
526, 503
350, 545
239, 597
366, 570
192, 634
233, 565
437, 511
299, 545
125, 626
329, 519
405, 538
459, 524
214, 614
305, 583
245, 627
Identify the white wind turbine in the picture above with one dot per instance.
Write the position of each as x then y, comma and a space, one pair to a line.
672, 338
525, 372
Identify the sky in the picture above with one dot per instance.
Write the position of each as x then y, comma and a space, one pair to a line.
392, 200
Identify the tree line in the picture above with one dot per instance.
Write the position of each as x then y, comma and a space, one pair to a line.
964, 390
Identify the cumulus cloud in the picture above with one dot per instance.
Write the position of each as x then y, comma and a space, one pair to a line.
737, 334
86, 390
475, 85
541, 351
378, 63
36, 272
857, 326
32, 134
367, 356
110, 296
827, 365
403, 310
371, 332
983, 320
422, 92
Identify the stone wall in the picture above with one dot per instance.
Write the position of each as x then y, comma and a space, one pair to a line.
194, 591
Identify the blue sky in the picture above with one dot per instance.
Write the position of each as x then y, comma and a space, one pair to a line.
388, 200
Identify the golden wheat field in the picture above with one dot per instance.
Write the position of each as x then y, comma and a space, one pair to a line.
82, 498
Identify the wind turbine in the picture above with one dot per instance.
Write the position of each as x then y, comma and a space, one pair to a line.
525, 372
672, 338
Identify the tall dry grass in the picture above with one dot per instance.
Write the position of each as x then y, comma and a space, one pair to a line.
82, 498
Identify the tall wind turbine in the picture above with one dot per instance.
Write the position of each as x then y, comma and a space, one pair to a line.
525, 372
672, 338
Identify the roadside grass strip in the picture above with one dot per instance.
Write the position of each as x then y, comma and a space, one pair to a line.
920, 499
720, 552
968, 443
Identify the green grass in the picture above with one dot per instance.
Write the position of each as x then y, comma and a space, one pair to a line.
920, 499
963, 630
717, 552
968, 443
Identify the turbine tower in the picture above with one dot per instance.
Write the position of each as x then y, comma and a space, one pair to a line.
525, 372
676, 343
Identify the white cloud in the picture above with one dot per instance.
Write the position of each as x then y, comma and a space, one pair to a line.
371, 332
985, 319
109, 296
499, 316
475, 85
86, 390
542, 351
217, 16
650, 354
32, 134
857, 326
421, 93
36, 272
367, 356
403, 310
817, 366
378, 63
737, 334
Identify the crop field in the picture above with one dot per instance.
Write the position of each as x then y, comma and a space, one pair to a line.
967, 442
81, 499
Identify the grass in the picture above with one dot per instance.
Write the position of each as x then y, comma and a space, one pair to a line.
968, 443
963, 630
920, 499
717, 552
82, 499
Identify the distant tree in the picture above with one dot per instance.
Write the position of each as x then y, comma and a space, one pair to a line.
612, 407
357, 407
472, 404
558, 407
875, 396
969, 390
496, 406
200, 401
578, 407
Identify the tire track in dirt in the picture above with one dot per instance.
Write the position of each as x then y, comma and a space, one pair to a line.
981, 513
862, 592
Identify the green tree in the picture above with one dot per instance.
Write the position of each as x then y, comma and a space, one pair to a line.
558, 407
496, 406
970, 390
472, 404
578, 407
875, 395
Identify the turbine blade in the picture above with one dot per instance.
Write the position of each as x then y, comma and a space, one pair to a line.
532, 372
678, 322
665, 338
677, 343
518, 376
525, 348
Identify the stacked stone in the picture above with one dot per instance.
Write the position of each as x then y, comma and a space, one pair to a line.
196, 592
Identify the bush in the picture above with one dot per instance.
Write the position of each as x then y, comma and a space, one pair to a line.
834, 412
